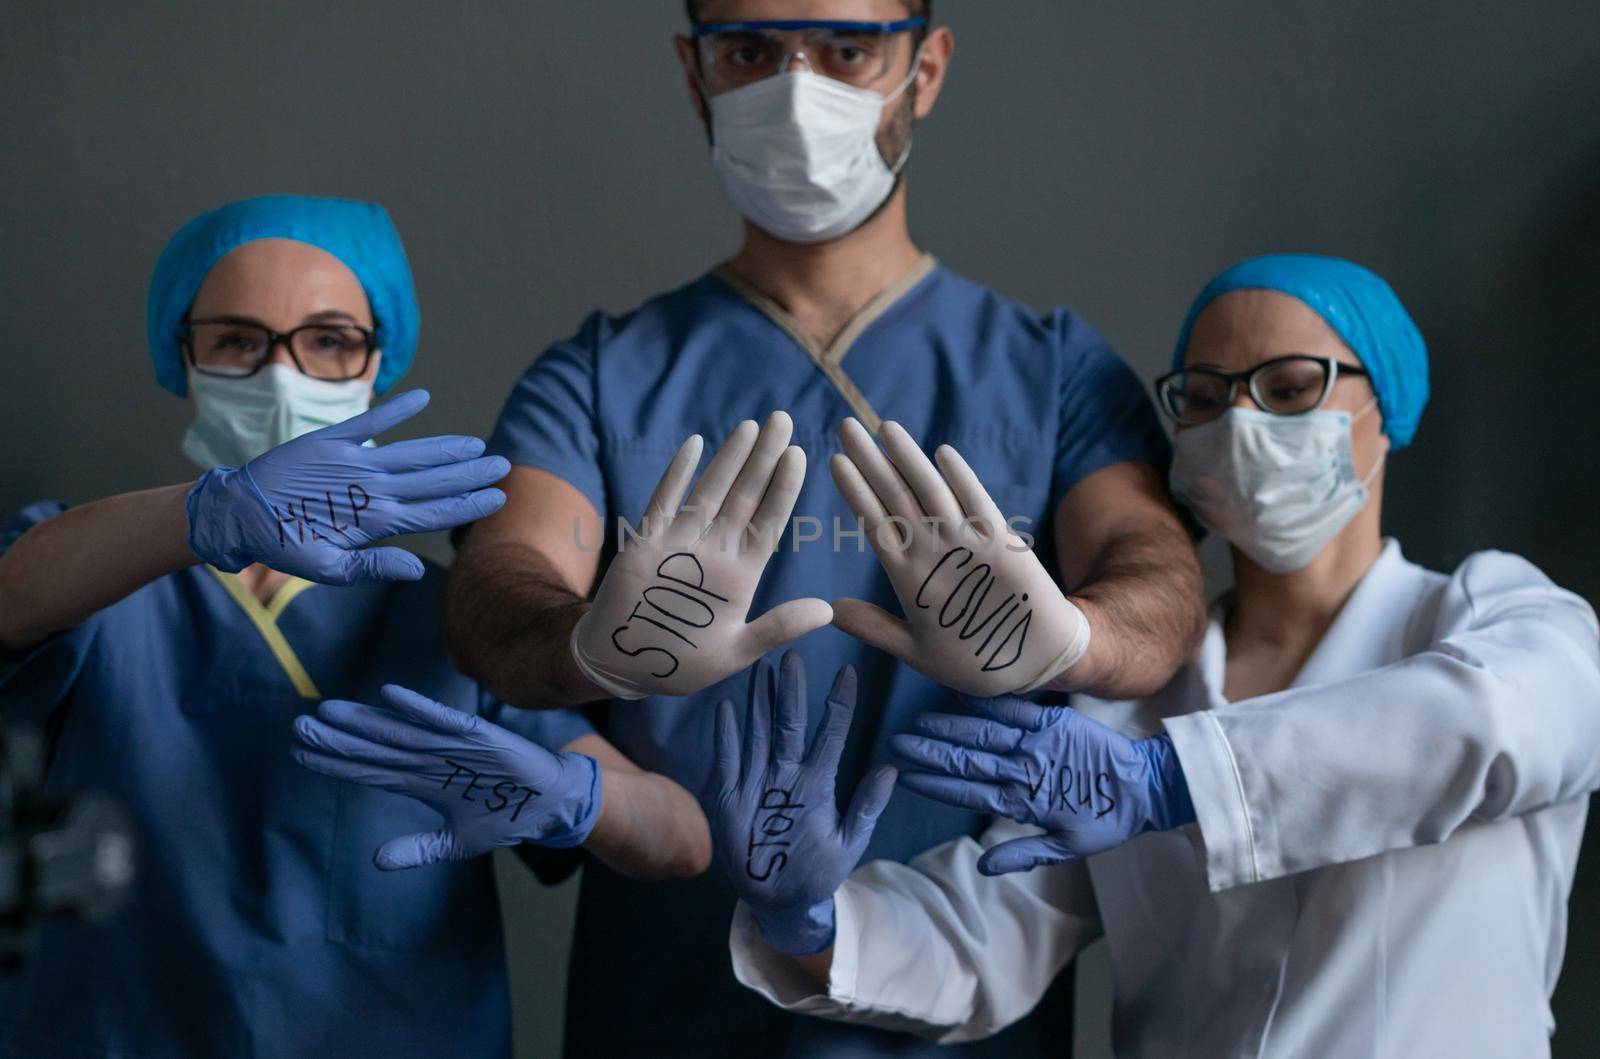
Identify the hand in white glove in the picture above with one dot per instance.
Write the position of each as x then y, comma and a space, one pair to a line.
669, 618
982, 614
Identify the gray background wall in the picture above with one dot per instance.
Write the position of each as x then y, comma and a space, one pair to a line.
541, 160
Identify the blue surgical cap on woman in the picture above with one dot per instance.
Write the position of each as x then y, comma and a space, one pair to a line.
359, 234
1362, 310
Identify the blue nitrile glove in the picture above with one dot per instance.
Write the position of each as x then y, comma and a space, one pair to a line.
1089, 787
776, 821
309, 506
493, 787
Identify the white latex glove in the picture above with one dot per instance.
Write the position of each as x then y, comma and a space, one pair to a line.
983, 615
669, 618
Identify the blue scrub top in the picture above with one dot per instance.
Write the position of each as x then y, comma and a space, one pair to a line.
1034, 404
258, 924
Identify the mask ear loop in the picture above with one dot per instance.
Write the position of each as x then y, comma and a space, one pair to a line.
916, 62
1366, 479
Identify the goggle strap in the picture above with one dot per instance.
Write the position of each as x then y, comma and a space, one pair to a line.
706, 29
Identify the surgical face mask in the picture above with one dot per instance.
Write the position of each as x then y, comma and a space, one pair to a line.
237, 420
797, 153
1277, 487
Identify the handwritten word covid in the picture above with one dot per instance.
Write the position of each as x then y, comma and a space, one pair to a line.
961, 599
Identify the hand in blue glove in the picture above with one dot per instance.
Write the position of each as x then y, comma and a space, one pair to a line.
493, 787
309, 506
776, 821
1089, 787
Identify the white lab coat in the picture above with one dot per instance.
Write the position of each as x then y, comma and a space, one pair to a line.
1381, 867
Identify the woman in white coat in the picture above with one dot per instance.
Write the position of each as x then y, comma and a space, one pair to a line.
1361, 802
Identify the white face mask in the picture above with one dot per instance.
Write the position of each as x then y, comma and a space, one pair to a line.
798, 153
236, 420
1278, 488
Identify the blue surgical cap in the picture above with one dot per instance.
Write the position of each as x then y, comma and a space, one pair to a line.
1360, 307
359, 234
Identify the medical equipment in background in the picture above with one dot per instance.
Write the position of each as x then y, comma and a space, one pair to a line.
59, 855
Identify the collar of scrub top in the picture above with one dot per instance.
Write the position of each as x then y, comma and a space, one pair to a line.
265, 617
706, 29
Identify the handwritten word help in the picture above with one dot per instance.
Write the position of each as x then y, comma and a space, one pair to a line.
304, 520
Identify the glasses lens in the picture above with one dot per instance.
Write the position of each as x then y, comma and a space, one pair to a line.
858, 58
1291, 385
1195, 396
227, 349
331, 352
732, 60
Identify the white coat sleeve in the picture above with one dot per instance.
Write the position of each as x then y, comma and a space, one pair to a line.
932, 947
1499, 717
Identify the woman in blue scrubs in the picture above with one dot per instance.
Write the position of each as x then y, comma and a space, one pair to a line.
167, 662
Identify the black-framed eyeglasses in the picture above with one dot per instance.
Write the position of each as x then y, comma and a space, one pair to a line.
1285, 386
237, 349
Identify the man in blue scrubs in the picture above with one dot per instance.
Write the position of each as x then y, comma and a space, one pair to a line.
166, 661
828, 310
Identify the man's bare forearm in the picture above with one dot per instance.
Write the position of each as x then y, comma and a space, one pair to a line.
508, 625
1144, 598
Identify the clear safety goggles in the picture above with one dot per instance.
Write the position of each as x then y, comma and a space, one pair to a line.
735, 54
